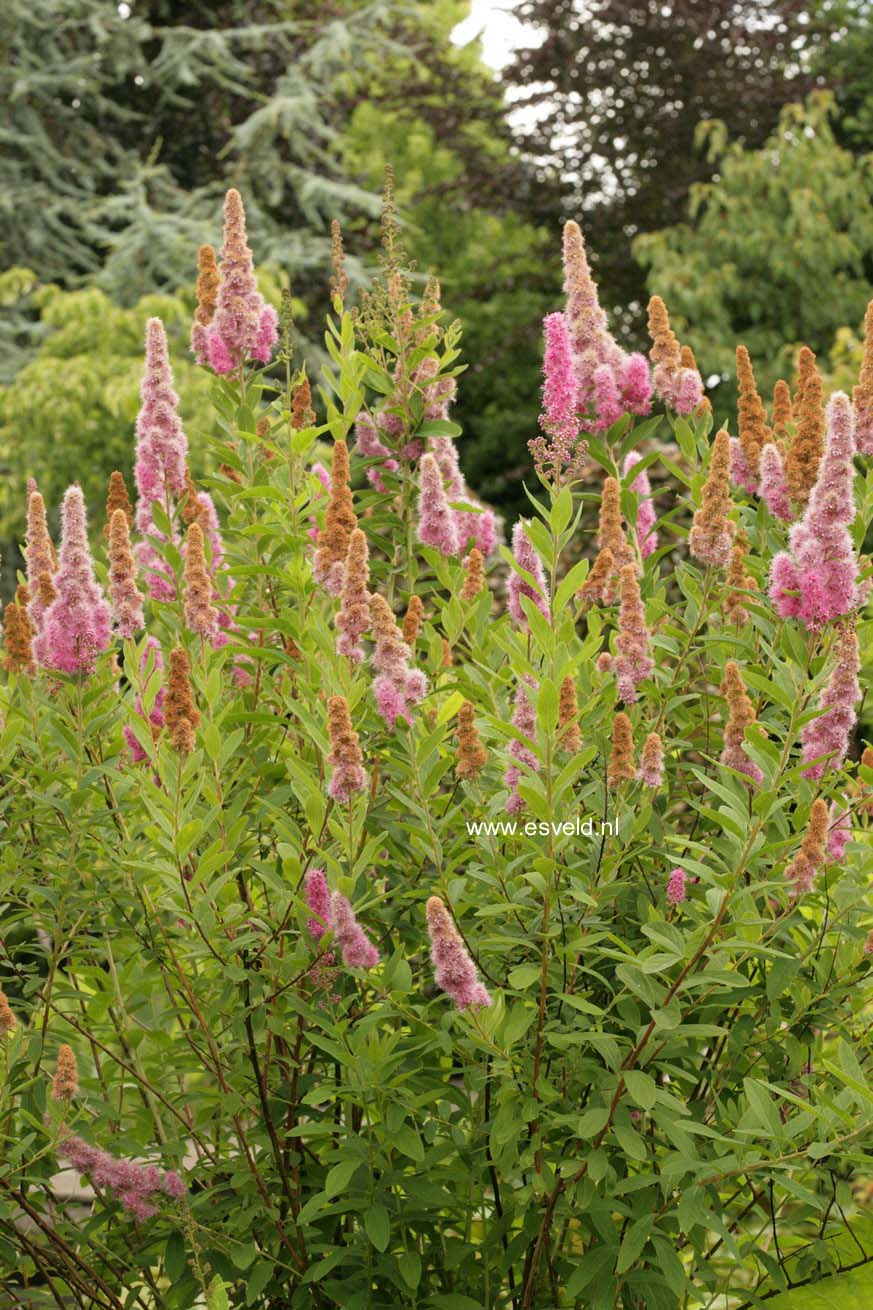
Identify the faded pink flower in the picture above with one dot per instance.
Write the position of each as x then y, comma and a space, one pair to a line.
243, 326
647, 537
773, 490
831, 732
436, 522
161, 453
839, 831
527, 559
524, 719
557, 451
633, 663
77, 626
741, 472
357, 950
676, 887
454, 971
134, 1186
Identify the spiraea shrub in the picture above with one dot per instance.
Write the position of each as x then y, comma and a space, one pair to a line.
402, 908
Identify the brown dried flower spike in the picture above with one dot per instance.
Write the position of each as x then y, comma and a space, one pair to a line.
739, 583
181, 718
569, 736
117, 498
208, 279
474, 575
339, 523
806, 449
752, 426
665, 350
621, 759
8, 1022
17, 635
65, 1083
412, 619
472, 756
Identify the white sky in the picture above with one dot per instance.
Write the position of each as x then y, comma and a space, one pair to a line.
501, 31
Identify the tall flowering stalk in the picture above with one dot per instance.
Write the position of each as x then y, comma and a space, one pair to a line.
18, 632
161, 454
780, 413
117, 498
620, 767
527, 560
77, 626
318, 900
123, 591
135, 1186
353, 619
65, 1083
739, 583
208, 280
862, 394
805, 452
454, 971
521, 752
243, 327
633, 663
609, 382
569, 734
472, 756
340, 522
41, 562
558, 453
181, 716
651, 770
200, 614
712, 532
816, 580
773, 487
741, 715
349, 775
397, 687
830, 734
754, 433
647, 537
802, 870
474, 575
678, 385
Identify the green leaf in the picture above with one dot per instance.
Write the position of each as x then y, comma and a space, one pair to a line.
641, 1088
216, 1297
409, 1265
851, 1291
378, 1226
339, 1177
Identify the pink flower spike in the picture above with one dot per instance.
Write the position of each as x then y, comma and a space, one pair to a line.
526, 558
436, 522
357, 949
607, 400
772, 489
676, 887
839, 831
636, 386
831, 732
741, 473
454, 971
524, 718
77, 626
318, 900
784, 586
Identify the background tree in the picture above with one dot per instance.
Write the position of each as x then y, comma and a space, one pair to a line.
776, 252
619, 87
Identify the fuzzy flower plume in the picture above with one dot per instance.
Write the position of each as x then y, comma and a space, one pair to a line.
151, 665
680, 387
805, 453
208, 281
353, 619
816, 580
610, 533
357, 949
712, 532
318, 900
472, 756
524, 719
123, 591
831, 732
454, 971
77, 626
839, 831
772, 487
651, 770
569, 735
862, 394
557, 453
18, 634
65, 1083
802, 870
609, 382
117, 498
474, 575
340, 522
134, 1186
180, 714
676, 887
243, 326
527, 559
741, 715
161, 452
620, 767
754, 433
8, 1021
633, 663
412, 620
436, 523
599, 586
647, 537
739, 583
397, 687
780, 413
200, 614
688, 361
349, 775
39, 554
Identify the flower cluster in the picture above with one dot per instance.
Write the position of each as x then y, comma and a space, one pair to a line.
241, 326
135, 1186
